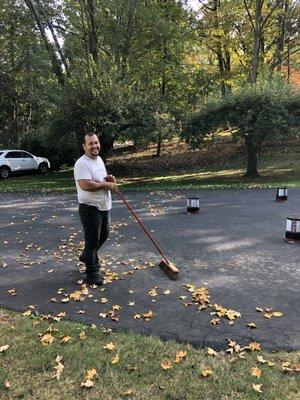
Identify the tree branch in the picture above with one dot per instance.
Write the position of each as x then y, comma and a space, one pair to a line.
249, 15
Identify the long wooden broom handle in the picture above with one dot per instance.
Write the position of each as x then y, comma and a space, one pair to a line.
141, 224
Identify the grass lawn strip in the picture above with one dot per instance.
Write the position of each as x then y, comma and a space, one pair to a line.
44, 358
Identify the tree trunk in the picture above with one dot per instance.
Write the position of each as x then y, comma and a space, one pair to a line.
252, 156
107, 145
56, 64
256, 41
93, 37
159, 143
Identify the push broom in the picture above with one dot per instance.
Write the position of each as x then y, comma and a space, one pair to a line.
166, 265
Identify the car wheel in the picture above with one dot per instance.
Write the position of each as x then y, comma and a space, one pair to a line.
43, 168
4, 172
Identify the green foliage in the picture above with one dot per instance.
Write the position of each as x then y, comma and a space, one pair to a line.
258, 111
254, 113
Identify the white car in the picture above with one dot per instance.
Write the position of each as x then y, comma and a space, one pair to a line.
12, 161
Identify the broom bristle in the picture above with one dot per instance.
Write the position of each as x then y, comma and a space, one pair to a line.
169, 268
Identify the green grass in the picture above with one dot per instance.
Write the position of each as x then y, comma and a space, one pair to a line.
276, 169
28, 366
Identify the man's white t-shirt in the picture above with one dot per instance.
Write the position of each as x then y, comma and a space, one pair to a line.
92, 169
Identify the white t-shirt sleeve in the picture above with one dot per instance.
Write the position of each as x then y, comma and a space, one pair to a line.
82, 171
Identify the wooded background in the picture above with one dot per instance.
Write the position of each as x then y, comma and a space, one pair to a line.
146, 70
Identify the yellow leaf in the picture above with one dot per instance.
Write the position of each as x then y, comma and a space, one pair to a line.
87, 384
115, 359
58, 368
12, 292
47, 339
137, 316
211, 352
61, 314
27, 313
102, 315
180, 356
261, 359
251, 325
257, 388
65, 339
82, 335
256, 372
270, 364
148, 315
77, 295
215, 321
65, 300
131, 303
90, 374
93, 326
165, 364
278, 314
166, 292
103, 300
253, 346
153, 292
109, 346
207, 372
4, 348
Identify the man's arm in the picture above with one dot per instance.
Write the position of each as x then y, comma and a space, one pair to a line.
93, 186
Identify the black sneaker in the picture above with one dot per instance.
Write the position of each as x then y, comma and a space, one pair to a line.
94, 280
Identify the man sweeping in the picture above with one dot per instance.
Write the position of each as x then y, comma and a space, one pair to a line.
94, 198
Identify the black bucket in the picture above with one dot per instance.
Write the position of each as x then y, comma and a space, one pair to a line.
292, 231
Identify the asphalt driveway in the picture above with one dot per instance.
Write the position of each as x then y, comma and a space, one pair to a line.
234, 248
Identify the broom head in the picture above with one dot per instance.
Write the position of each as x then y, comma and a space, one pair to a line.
169, 268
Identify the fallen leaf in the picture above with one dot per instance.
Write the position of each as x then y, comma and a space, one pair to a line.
131, 303
66, 339
215, 321
166, 292
206, 373
47, 339
257, 388
256, 372
103, 300
261, 359
90, 374
109, 346
12, 292
61, 314
253, 346
278, 314
252, 325
58, 368
4, 348
165, 364
115, 359
153, 292
180, 355
211, 352
82, 335
87, 384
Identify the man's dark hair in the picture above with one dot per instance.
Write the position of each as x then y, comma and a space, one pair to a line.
88, 134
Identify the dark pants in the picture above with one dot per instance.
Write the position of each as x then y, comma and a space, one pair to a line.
96, 226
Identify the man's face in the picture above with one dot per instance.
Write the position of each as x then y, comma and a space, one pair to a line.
91, 146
